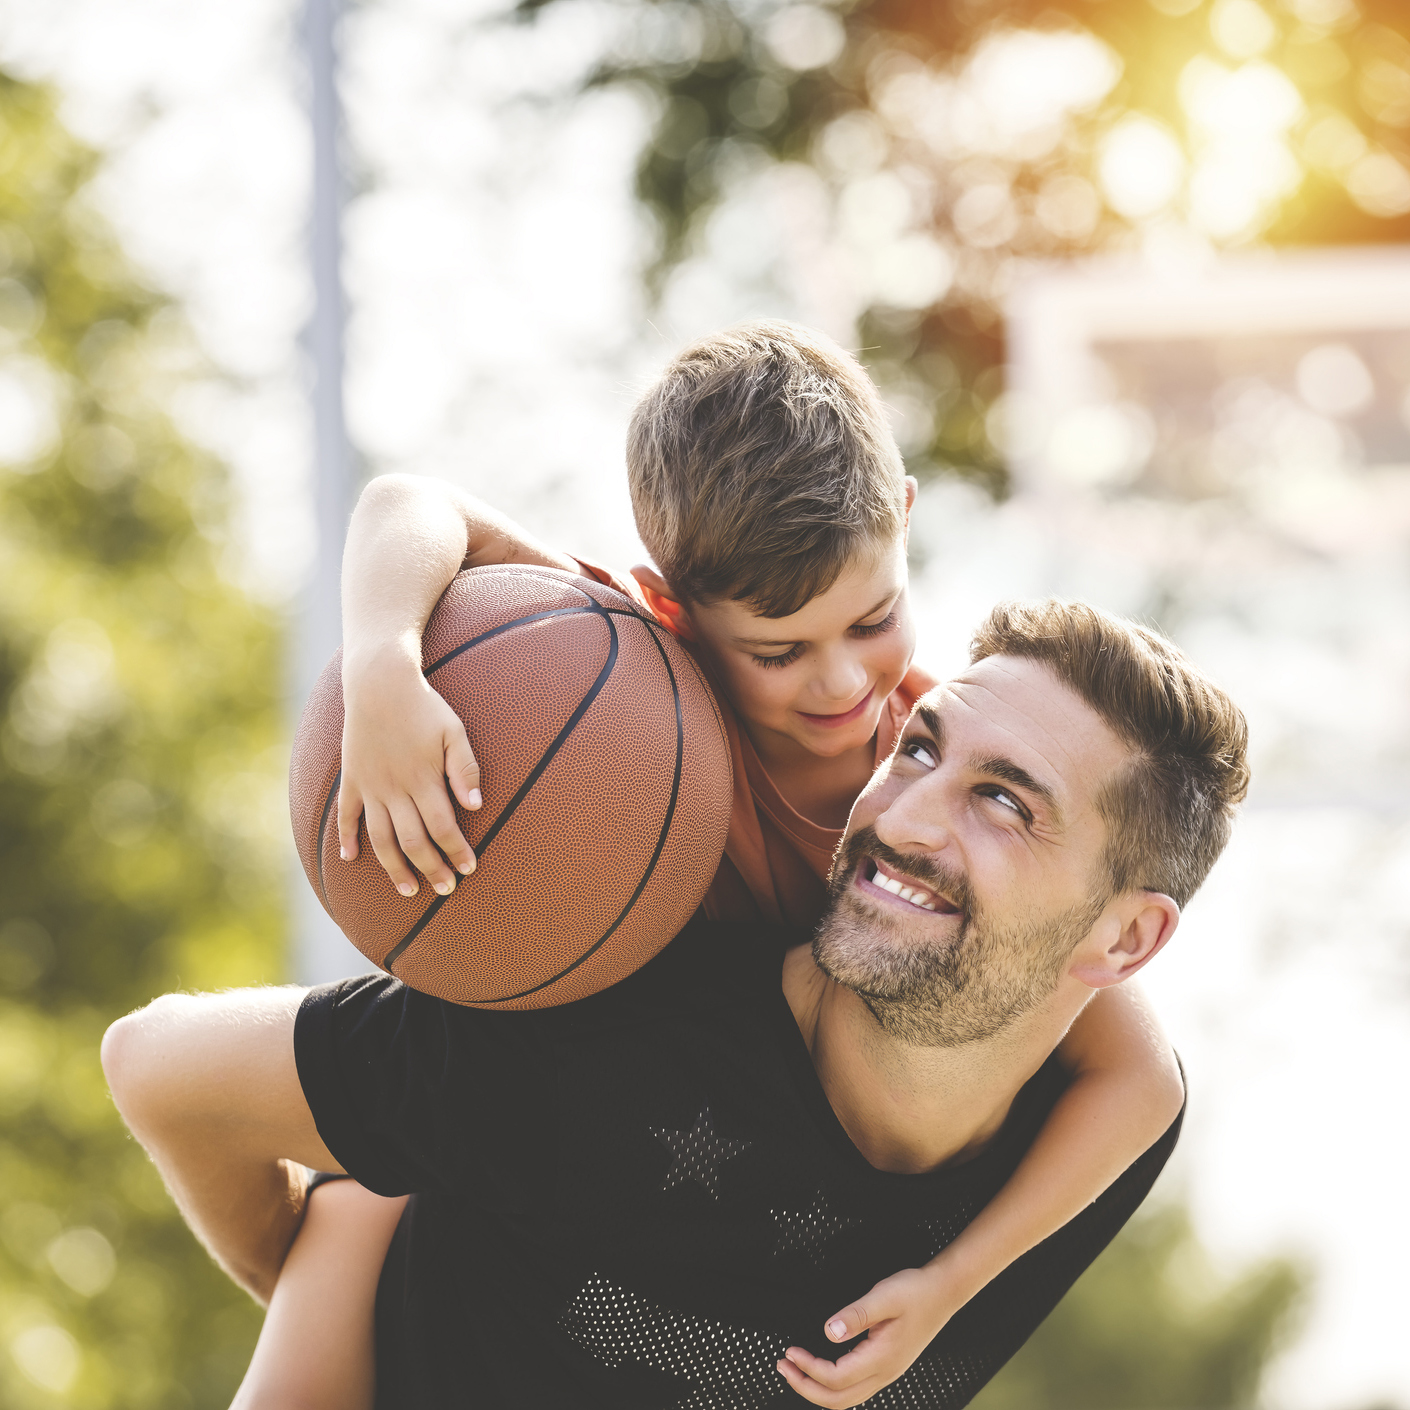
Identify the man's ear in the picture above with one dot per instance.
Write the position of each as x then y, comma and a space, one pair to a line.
662, 600
1132, 932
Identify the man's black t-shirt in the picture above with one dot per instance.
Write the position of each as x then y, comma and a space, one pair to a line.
638, 1201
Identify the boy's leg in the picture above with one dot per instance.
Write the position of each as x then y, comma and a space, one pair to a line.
316, 1350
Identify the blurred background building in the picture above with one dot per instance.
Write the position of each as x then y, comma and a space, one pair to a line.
1133, 278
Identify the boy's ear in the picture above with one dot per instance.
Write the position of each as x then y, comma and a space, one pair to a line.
661, 598
912, 489
1127, 938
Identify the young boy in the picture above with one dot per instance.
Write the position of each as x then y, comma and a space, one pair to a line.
771, 495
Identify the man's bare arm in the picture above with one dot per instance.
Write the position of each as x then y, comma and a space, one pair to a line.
207, 1083
402, 743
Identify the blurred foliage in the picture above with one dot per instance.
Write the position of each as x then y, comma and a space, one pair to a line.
1284, 122
1151, 1327
140, 792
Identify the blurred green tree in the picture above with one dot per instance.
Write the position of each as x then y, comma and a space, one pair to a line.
140, 821
957, 142
1151, 1327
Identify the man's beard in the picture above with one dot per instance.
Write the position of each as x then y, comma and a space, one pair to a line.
942, 992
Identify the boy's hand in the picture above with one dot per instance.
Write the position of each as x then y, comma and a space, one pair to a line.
900, 1315
402, 745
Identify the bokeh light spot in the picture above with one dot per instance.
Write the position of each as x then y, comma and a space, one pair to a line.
804, 37
1142, 167
1099, 445
48, 1356
1380, 185
1241, 28
1333, 380
84, 1259
29, 422
913, 272
1068, 207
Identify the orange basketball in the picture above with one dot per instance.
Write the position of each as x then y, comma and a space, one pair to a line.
605, 775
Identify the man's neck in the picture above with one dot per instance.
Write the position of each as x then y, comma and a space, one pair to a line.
906, 1108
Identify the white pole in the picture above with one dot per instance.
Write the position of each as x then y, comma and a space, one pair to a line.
321, 951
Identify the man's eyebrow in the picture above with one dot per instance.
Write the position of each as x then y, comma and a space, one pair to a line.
997, 766
789, 641
929, 716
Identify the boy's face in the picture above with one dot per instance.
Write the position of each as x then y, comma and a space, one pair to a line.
820, 676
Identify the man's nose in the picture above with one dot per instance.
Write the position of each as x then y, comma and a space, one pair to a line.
917, 819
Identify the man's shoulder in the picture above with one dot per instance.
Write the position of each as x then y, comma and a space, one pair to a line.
707, 963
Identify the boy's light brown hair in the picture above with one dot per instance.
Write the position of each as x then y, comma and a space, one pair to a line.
1170, 810
760, 465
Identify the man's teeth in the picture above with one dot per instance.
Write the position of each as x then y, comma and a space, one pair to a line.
916, 898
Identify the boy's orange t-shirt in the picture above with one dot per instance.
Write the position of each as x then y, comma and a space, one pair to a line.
776, 861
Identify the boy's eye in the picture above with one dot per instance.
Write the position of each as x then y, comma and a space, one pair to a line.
786, 659
886, 624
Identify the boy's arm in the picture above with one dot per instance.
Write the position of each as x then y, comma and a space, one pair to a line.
1125, 1091
408, 538
208, 1084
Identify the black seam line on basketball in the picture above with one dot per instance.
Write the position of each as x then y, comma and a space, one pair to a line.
322, 828
495, 631
534, 774
655, 856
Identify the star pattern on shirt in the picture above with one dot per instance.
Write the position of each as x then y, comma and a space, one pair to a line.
698, 1154
807, 1234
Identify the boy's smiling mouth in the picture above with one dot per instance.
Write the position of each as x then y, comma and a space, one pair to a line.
845, 718
874, 876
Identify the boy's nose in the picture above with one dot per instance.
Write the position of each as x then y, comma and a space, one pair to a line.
843, 677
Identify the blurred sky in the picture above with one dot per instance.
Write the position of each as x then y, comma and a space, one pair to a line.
498, 337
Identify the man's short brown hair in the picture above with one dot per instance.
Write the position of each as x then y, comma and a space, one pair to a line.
760, 465
1170, 811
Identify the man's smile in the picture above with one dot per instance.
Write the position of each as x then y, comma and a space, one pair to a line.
877, 879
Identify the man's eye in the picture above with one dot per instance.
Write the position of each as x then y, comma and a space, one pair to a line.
1008, 800
921, 751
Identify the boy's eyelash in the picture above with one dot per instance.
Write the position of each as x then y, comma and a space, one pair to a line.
886, 624
787, 659
876, 628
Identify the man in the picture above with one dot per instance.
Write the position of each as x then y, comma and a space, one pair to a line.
648, 1197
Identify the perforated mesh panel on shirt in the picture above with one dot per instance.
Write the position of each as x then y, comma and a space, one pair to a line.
734, 1368
729, 1368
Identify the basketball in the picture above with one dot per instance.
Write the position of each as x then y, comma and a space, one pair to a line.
605, 774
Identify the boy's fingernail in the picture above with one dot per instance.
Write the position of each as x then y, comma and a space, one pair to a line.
343, 853
837, 1330
406, 888
444, 888
474, 800
466, 868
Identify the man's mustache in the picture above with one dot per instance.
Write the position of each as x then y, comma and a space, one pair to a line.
864, 843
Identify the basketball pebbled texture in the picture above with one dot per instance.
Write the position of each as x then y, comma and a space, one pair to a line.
605, 774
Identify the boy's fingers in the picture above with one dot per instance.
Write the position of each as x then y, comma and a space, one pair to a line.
420, 851
851, 1322
383, 838
349, 811
439, 817
463, 771
832, 1375
815, 1392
